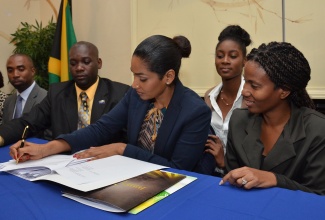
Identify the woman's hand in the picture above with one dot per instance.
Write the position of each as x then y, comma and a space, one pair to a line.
215, 147
248, 178
103, 151
32, 151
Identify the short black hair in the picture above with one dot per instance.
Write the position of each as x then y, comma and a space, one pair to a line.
237, 34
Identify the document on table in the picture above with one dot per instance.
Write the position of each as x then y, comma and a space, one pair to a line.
106, 206
127, 194
78, 174
31, 170
51, 162
106, 171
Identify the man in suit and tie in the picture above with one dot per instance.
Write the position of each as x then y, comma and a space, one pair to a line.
21, 72
61, 109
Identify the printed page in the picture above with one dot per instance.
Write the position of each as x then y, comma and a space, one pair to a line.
33, 169
103, 172
81, 176
52, 162
30, 173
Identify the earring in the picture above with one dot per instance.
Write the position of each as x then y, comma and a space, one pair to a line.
167, 83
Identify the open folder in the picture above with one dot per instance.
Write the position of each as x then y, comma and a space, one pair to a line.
82, 175
125, 195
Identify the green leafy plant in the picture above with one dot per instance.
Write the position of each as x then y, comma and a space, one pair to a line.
36, 41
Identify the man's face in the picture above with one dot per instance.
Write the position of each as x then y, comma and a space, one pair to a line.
20, 72
84, 64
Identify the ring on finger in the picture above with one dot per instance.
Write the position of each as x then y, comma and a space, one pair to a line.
244, 182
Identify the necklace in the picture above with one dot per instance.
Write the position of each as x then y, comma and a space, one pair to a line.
224, 101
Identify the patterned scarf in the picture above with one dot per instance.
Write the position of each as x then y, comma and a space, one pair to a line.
150, 127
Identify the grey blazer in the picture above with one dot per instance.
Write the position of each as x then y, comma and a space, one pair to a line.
36, 96
298, 156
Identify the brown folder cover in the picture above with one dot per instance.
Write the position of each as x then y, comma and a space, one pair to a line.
129, 193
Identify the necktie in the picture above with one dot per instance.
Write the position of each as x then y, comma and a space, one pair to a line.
83, 112
19, 107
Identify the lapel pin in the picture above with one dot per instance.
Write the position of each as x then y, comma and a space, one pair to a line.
101, 101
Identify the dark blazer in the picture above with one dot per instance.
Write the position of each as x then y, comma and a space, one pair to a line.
181, 137
35, 96
297, 158
59, 110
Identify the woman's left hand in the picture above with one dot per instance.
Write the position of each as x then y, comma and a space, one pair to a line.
248, 178
103, 151
215, 147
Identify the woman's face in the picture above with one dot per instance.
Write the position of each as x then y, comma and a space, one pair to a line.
259, 91
229, 60
147, 83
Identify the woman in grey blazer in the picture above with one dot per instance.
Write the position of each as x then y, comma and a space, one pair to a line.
279, 139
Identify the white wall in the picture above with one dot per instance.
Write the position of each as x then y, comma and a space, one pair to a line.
202, 20
308, 34
106, 23
117, 26
201, 23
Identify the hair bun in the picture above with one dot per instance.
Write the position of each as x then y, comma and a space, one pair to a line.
235, 32
183, 44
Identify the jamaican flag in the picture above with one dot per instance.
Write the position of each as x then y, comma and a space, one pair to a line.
64, 38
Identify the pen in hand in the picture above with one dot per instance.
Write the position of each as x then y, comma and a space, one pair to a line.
22, 143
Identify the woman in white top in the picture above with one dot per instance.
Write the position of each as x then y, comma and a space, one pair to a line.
224, 98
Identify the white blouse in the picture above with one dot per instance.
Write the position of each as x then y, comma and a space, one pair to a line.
220, 125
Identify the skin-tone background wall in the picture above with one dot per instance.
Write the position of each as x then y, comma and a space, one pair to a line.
117, 26
106, 23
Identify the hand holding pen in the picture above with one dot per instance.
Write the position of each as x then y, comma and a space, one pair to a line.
22, 142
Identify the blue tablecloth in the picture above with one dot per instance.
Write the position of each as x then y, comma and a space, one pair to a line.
202, 199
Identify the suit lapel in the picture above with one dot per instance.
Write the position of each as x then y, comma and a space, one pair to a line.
69, 106
252, 145
30, 102
284, 149
169, 120
100, 101
11, 107
139, 111
136, 119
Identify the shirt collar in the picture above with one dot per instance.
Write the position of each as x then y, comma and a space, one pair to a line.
215, 92
26, 92
90, 91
